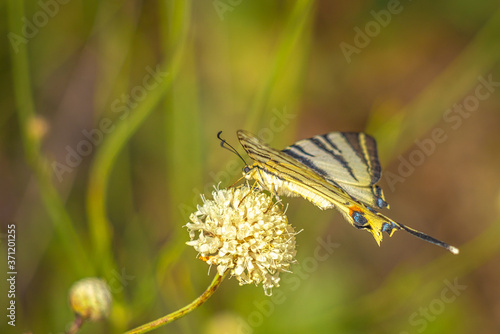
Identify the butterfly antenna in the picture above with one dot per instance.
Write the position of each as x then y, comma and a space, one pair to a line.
430, 239
227, 146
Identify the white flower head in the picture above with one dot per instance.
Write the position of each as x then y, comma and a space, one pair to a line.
244, 231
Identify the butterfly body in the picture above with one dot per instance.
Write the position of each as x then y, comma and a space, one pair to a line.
323, 197
335, 170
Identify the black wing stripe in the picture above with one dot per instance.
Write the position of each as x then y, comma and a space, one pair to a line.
331, 143
301, 149
337, 157
367, 151
305, 161
352, 138
371, 151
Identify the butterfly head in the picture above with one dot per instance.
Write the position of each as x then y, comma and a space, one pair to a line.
251, 172
247, 172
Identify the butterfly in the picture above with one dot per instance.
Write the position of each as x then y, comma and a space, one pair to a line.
334, 170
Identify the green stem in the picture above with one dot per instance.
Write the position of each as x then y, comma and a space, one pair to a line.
295, 28
99, 225
183, 311
68, 236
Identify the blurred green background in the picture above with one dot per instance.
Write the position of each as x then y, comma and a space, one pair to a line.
141, 88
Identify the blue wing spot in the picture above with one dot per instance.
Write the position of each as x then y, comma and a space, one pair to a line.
359, 218
386, 227
381, 203
377, 192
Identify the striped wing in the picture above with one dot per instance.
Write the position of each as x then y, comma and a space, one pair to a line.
344, 159
338, 169
285, 176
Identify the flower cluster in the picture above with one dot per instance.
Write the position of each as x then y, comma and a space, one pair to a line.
244, 231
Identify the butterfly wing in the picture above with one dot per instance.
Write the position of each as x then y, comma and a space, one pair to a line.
344, 159
338, 169
283, 175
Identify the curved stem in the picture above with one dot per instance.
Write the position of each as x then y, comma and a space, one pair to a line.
295, 29
183, 311
69, 238
76, 325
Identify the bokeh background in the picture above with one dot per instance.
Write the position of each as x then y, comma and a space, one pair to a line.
141, 89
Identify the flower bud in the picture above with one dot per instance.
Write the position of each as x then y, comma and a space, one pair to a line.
90, 298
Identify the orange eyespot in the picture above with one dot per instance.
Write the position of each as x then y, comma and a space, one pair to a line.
358, 216
353, 209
